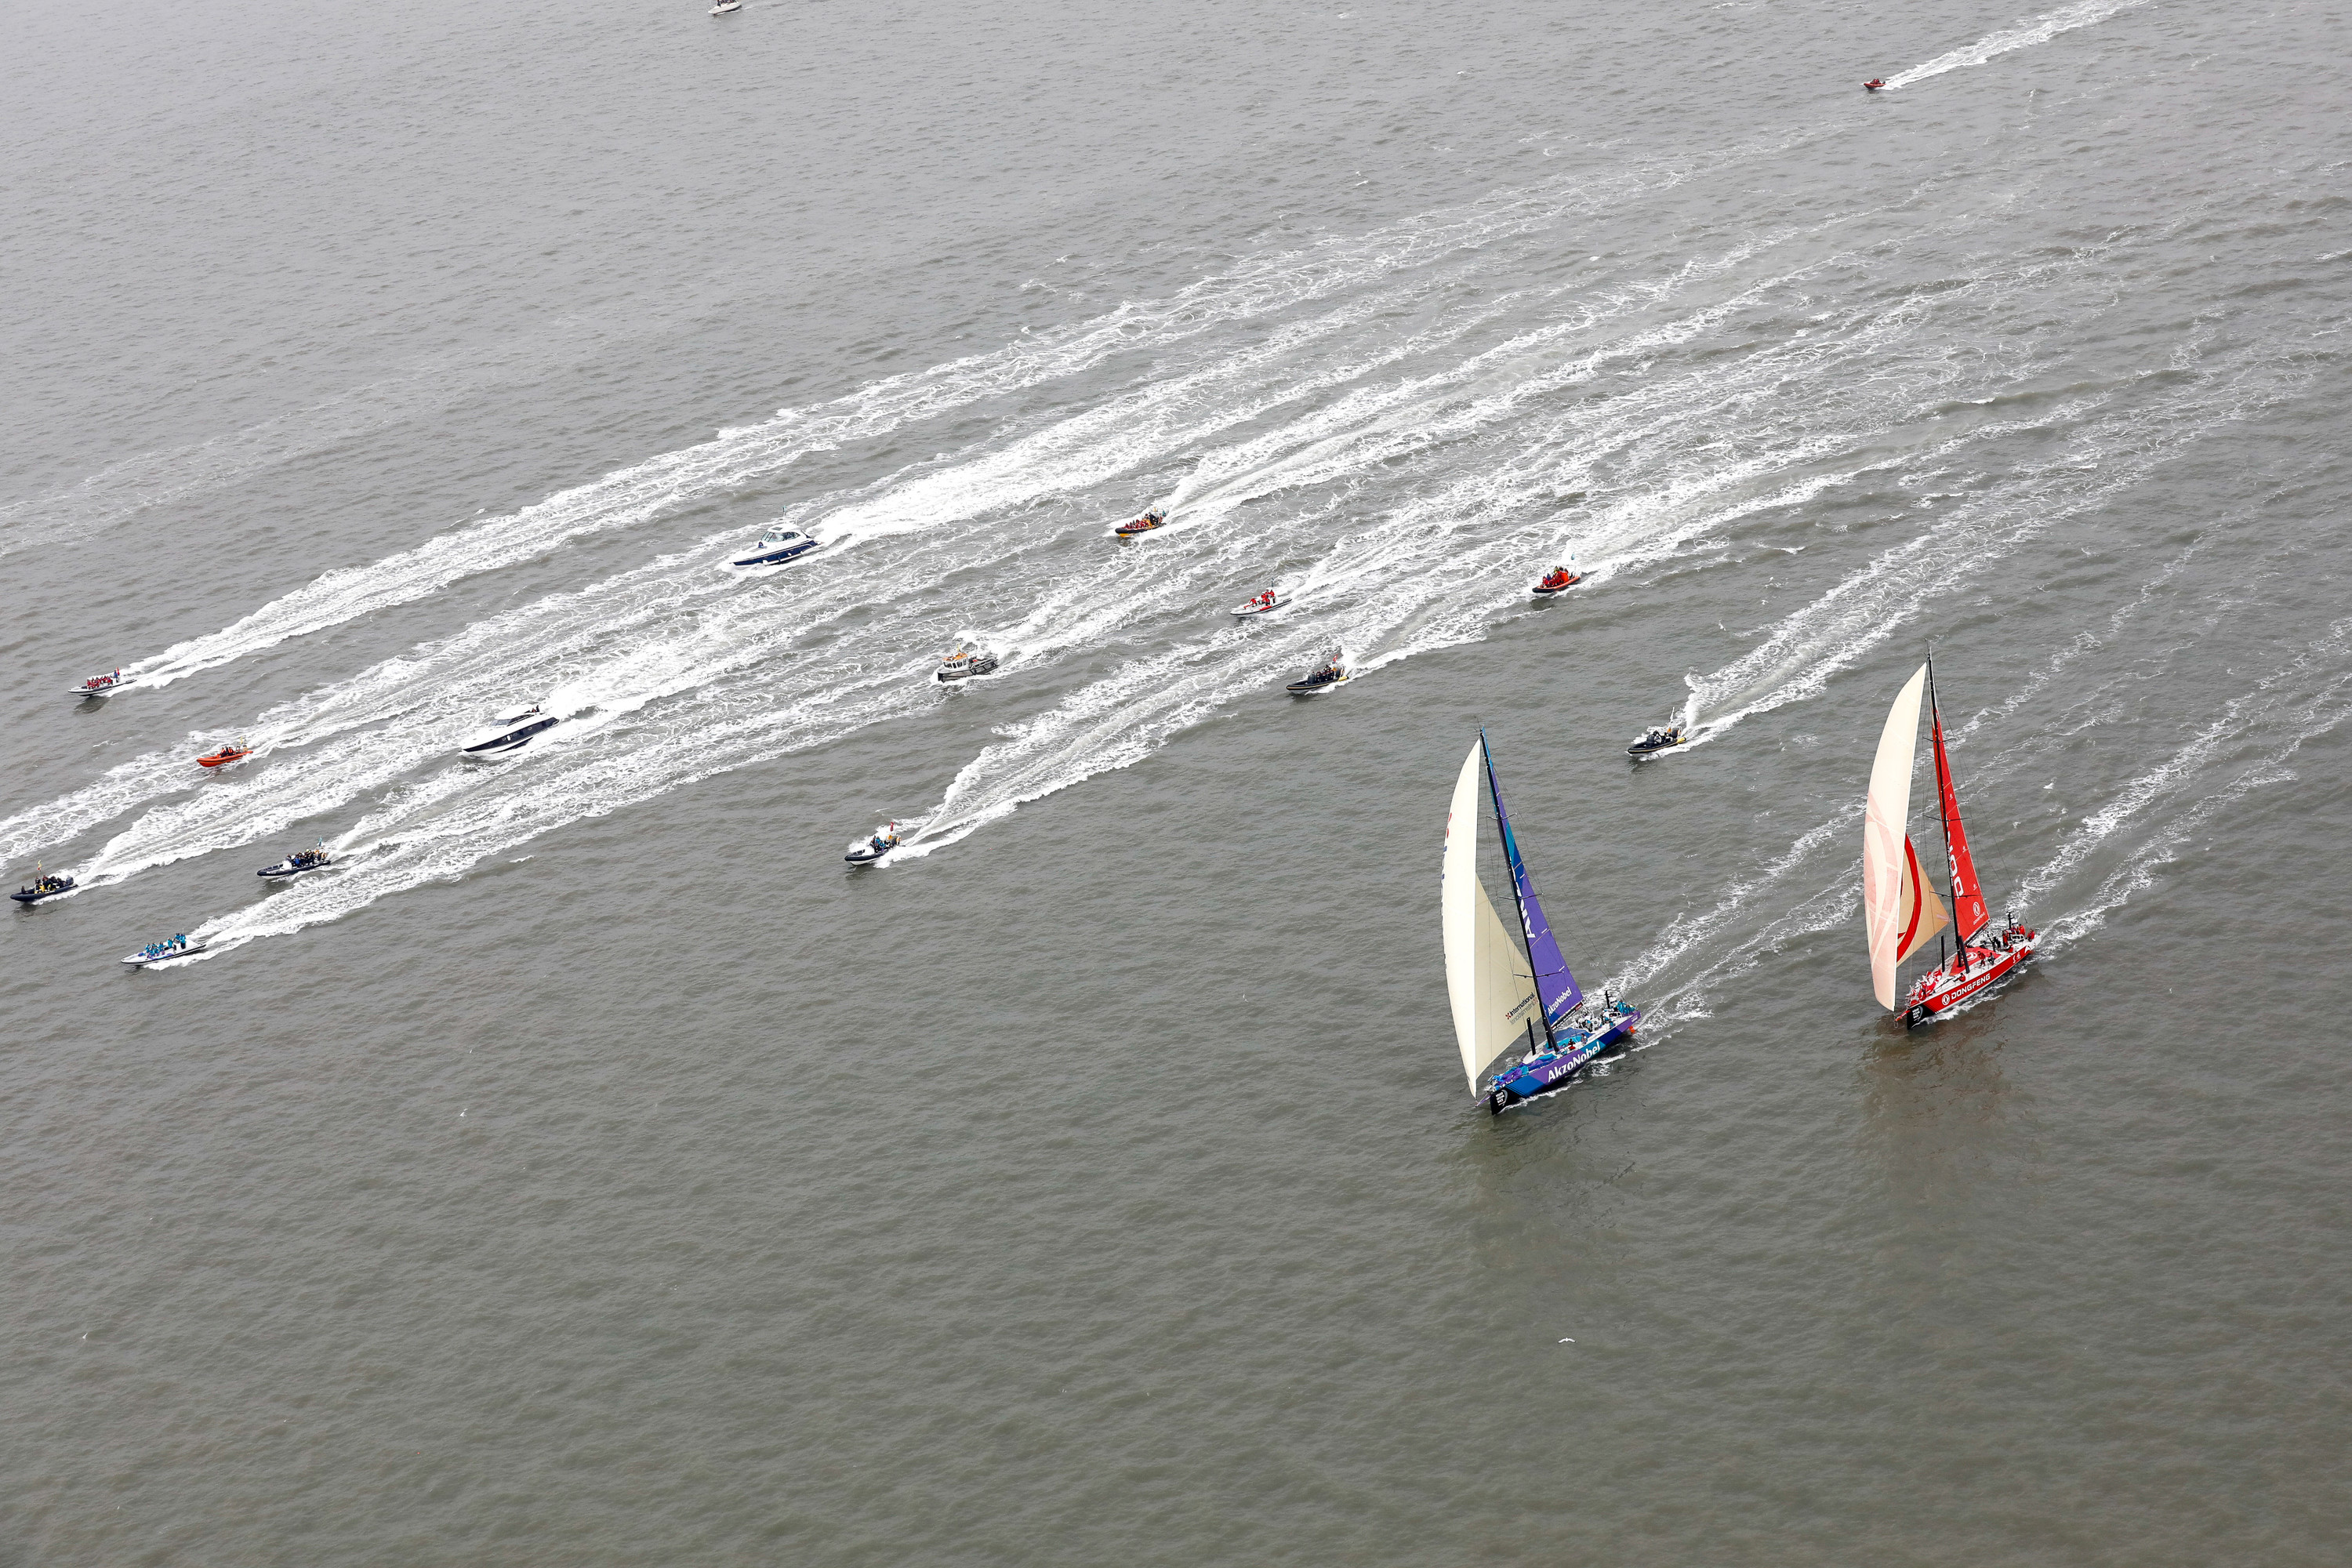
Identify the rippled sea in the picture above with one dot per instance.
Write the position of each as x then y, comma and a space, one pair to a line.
589, 1168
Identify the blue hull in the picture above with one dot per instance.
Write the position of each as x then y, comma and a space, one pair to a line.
1547, 1073
778, 557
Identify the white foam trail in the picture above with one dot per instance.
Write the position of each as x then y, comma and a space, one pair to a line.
495, 653
443, 681
439, 833
1685, 933
592, 692
698, 747
1169, 416
689, 667
1419, 589
2140, 868
2039, 30
2260, 708
643, 491
156, 479
1802, 652
1118, 721
1956, 735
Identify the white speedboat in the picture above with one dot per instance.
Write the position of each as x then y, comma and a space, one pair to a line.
777, 546
726, 5
105, 685
964, 663
510, 731
163, 952
1266, 603
870, 849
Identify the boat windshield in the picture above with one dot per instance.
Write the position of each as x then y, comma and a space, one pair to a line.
779, 536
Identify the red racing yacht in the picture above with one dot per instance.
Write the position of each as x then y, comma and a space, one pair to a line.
1900, 909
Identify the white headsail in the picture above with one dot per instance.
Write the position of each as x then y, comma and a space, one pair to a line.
1492, 988
1898, 908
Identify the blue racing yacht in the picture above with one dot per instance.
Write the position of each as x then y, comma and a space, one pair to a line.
1523, 1023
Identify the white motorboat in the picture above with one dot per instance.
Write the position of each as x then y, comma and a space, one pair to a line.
726, 5
163, 951
964, 663
105, 685
777, 546
1266, 603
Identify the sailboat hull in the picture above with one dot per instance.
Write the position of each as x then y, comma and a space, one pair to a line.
1546, 1074
1954, 986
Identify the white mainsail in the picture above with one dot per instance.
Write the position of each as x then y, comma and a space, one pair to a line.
1898, 908
1489, 979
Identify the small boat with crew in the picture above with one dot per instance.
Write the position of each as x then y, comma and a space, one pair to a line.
870, 849
1524, 1026
1872, 85
1559, 580
1149, 521
179, 946
1329, 676
236, 752
964, 661
1900, 910
1266, 603
301, 860
510, 731
726, 5
776, 546
105, 685
1663, 738
43, 885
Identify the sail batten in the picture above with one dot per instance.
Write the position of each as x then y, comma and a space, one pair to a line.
1556, 987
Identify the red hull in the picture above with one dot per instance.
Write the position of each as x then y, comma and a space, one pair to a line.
1974, 970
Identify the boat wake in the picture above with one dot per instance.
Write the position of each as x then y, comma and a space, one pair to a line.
1403, 428
2041, 30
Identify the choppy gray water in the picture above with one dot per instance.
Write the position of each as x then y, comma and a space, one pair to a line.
588, 1169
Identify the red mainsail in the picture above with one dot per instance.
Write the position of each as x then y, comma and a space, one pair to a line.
1968, 896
